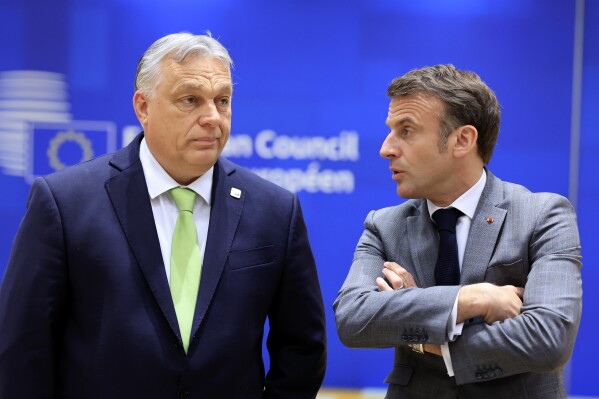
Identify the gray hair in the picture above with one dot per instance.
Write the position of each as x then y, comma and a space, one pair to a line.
466, 98
177, 46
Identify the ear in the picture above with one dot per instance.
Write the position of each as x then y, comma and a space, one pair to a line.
140, 105
465, 141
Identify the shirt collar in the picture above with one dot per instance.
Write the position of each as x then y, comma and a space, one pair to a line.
467, 202
159, 182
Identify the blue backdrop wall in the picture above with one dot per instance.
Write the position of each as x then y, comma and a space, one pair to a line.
309, 108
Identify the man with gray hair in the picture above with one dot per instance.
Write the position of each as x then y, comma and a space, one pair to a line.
150, 273
474, 281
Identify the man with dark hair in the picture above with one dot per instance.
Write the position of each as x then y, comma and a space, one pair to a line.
150, 273
474, 281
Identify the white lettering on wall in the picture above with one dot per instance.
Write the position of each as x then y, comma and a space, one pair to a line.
239, 146
344, 147
312, 180
270, 145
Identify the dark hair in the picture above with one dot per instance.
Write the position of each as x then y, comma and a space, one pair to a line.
467, 101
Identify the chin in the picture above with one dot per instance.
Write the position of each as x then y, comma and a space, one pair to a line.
204, 157
407, 194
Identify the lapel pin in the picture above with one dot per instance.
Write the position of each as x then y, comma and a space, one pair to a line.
235, 192
490, 220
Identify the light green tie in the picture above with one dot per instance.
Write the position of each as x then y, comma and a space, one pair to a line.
186, 263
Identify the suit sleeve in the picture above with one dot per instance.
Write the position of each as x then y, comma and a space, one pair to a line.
32, 300
369, 318
542, 337
297, 338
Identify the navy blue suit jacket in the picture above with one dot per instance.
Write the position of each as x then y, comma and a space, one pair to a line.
86, 310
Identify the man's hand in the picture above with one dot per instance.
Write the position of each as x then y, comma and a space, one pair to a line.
397, 276
491, 302
401, 278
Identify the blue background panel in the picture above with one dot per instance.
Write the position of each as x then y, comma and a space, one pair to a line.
319, 68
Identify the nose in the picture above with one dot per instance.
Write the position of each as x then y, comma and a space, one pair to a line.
389, 149
209, 115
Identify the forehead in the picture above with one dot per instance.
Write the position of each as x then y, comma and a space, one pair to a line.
416, 107
196, 70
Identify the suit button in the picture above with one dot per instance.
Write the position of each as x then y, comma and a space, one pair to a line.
479, 376
404, 337
498, 372
184, 395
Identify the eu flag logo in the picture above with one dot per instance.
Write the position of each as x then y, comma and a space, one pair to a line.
55, 146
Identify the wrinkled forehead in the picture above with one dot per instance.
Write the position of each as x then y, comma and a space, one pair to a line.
414, 106
197, 71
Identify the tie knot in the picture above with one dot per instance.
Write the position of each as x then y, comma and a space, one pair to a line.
184, 198
446, 218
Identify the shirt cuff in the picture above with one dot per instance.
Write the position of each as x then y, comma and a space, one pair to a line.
447, 358
453, 331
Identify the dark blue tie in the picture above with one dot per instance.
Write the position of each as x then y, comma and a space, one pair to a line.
447, 270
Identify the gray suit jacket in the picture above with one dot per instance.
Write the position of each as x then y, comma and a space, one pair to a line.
532, 242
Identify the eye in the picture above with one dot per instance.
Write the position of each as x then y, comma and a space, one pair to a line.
187, 103
223, 101
405, 132
188, 100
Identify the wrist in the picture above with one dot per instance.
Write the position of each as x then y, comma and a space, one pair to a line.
471, 302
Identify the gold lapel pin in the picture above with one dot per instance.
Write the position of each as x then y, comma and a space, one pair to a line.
490, 220
235, 192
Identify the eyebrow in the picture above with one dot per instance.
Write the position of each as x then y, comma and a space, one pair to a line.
407, 119
193, 86
403, 121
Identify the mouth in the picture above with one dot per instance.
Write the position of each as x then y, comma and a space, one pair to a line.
396, 173
204, 144
205, 141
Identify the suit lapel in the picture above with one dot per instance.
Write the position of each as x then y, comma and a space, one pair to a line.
424, 251
484, 232
225, 214
128, 193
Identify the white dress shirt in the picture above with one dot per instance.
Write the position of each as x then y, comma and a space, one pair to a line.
165, 209
467, 204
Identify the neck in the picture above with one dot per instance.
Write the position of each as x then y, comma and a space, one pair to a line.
464, 179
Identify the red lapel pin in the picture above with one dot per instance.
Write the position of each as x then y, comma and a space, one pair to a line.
490, 220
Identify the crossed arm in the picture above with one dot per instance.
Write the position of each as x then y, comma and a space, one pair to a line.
492, 303
531, 329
